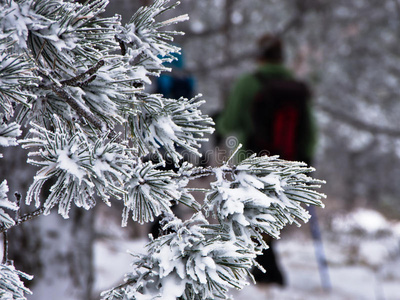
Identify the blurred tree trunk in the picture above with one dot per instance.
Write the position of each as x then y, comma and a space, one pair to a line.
57, 252
227, 48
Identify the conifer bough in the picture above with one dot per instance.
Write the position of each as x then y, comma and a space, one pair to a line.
76, 79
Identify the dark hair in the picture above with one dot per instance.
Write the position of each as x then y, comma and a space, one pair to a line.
270, 48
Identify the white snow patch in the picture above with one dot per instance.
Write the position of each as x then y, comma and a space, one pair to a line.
66, 162
369, 221
112, 261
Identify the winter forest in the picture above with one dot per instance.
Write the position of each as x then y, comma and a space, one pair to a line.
92, 157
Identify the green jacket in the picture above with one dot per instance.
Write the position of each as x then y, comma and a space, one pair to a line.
236, 118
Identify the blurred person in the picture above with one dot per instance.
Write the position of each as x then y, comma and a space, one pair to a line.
177, 83
269, 111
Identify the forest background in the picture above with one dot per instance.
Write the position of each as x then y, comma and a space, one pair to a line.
347, 51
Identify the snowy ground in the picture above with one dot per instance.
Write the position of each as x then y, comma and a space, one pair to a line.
362, 250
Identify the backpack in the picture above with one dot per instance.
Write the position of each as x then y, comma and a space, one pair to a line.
182, 87
280, 118
175, 86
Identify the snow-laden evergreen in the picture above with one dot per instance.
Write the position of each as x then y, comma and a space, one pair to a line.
262, 195
6, 221
199, 260
9, 131
11, 286
195, 261
77, 80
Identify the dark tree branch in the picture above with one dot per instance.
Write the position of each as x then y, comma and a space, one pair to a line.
5, 248
30, 216
24, 219
81, 110
18, 212
75, 105
5, 234
122, 46
79, 79
356, 123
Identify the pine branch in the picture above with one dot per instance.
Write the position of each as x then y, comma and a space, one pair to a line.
125, 284
259, 195
77, 107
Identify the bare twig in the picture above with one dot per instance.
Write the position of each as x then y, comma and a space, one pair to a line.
30, 216
122, 46
25, 218
126, 283
79, 80
5, 248
81, 110
18, 202
207, 171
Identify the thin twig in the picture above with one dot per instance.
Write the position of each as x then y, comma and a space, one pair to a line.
24, 219
30, 216
82, 111
122, 46
75, 105
79, 79
18, 202
122, 285
200, 172
5, 248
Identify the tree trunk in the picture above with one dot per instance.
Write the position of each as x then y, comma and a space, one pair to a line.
66, 257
